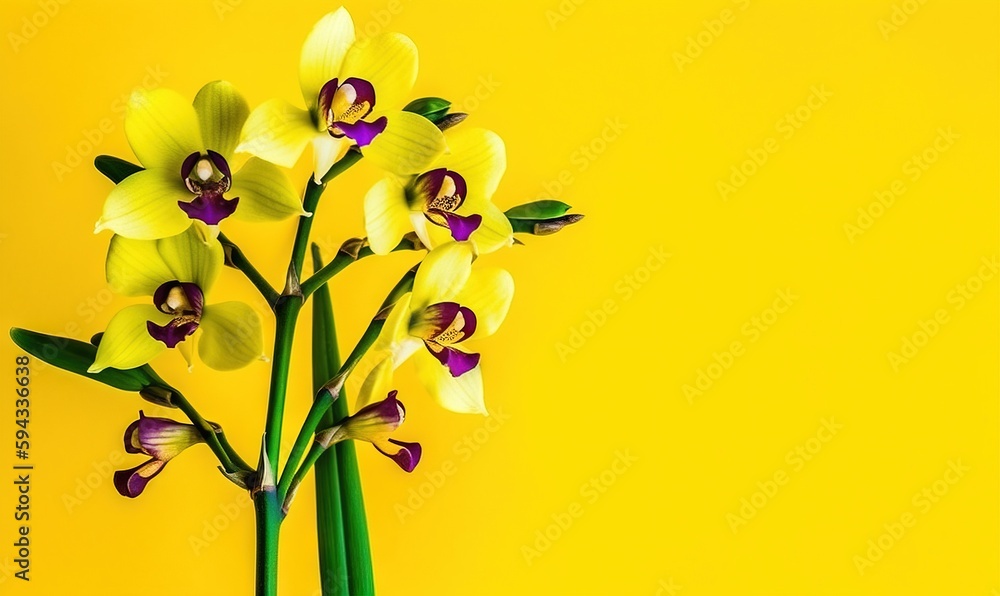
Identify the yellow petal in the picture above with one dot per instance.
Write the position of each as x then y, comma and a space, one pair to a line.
377, 384
442, 274
387, 218
278, 132
135, 267
394, 330
478, 155
323, 53
221, 113
389, 62
327, 150
190, 259
488, 292
126, 342
265, 193
162, 128
408, 145
144, 205
231, 336
462, 394
494, 232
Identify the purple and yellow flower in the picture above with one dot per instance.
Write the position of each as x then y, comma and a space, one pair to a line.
448, 201
353, 91
450, 303
178, 273
375, 423
162, 440
186, 152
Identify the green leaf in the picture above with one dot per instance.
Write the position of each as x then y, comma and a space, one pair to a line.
114, 168
329, 516
432, 108
76, 357
545, 209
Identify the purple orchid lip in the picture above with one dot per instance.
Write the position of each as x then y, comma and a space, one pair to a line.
186, 302
408, 455
446, 324
460, 226
440, 189
130, 483
343, 107
208, 177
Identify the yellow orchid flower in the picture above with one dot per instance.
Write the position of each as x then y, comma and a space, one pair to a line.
450, 303
178, 272
452, 195
185, 150
353, 90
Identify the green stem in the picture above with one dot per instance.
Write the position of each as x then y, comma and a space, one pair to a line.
310, 201
342, 260
268, 513
215, 439
286, 312
236, 257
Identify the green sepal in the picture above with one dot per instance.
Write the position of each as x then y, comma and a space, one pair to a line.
432, 108
114, 168
77, 356
544, 209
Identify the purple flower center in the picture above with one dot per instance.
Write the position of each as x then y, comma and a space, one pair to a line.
208, 177
440, 193
185, 302
343, 107
441, 326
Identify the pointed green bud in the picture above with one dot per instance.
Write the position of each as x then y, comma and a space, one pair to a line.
114, 168
432, 108
544, 209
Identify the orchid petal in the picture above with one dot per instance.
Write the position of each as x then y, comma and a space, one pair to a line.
127, 343
387, 217
278, 132
265, 193
144, 206
232, 337
222, 111
162, 128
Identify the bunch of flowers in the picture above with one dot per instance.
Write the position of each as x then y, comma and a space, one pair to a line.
167, 249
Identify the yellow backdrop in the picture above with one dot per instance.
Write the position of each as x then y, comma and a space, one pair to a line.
765, 362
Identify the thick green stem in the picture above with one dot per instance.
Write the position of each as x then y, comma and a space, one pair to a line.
310, 201
268, 512
343, 259
236, 258
286, 312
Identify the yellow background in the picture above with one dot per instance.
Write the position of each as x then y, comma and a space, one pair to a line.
552, 78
